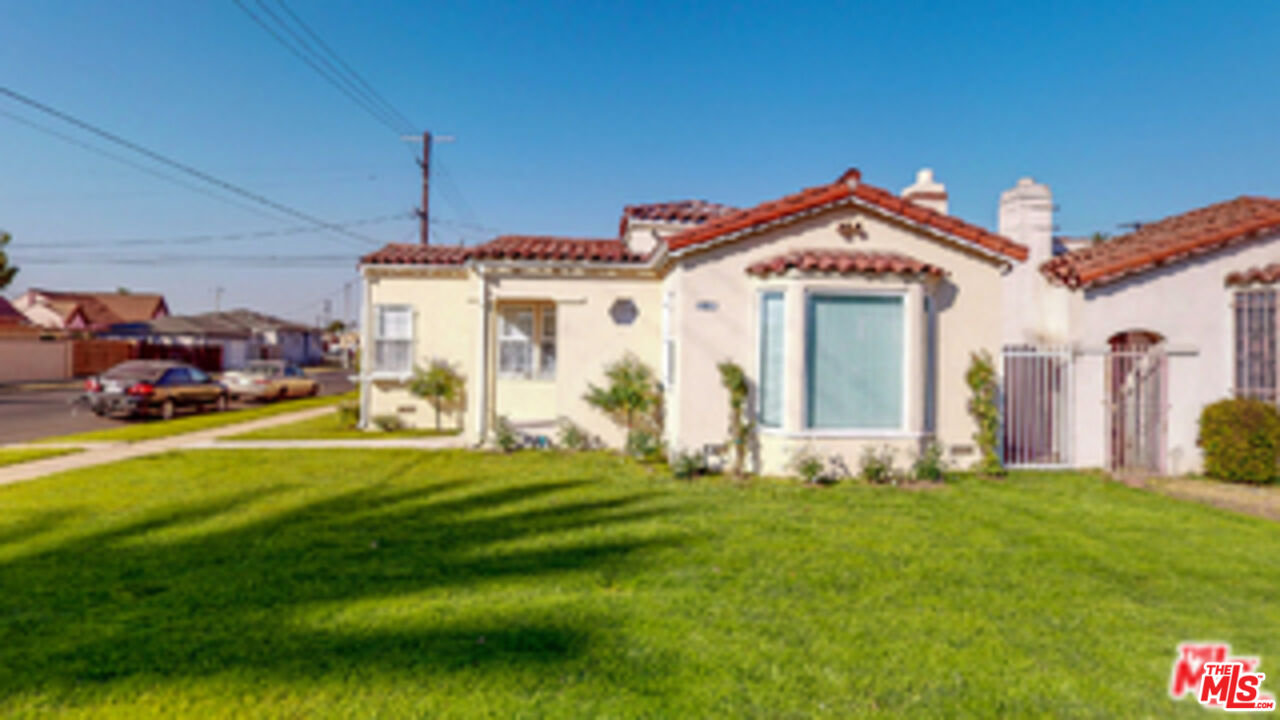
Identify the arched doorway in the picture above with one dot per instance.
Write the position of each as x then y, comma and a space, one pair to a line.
1137, 392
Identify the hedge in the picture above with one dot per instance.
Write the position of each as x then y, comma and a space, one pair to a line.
1241, 440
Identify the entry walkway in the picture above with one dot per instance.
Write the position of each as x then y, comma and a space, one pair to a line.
101, 453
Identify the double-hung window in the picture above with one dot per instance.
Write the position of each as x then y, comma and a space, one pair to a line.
527, 342
393, 339
1255, 344
772, 309
854, 362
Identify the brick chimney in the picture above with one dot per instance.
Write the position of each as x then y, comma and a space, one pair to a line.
927, 192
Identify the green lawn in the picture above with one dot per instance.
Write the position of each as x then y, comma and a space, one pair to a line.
13, 456
331, 427
393, 583
149, 428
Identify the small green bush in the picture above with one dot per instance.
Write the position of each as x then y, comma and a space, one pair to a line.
876, 466
388, 423
807, 464
505, 435
348, 414
644, 445
1241, 440
929, 465
688, 465
572, 437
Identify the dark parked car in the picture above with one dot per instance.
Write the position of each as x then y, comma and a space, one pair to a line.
161, 387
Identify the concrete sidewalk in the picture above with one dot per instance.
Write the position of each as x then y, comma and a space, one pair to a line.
100, 453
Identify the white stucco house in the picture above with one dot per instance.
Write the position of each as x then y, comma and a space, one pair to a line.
1124, 342
852, 309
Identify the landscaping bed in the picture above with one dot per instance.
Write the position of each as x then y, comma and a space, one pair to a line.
334, 427
402, 583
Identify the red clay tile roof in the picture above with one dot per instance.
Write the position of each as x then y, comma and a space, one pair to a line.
844, 262
507, 247
1166, 241
847, 188
1267, 275
678, 211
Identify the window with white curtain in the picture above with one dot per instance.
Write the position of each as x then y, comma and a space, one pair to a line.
854, 357
393, 339
769, 390
515, 342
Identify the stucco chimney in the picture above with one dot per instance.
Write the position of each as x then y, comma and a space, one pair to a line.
1034, 312
927, 192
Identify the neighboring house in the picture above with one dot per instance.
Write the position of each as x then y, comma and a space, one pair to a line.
853, 311
239, 336
89, 311
1157, 324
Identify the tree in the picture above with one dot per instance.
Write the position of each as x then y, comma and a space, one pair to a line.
631, 390
7, 271
335, 327
440, 384
741, 424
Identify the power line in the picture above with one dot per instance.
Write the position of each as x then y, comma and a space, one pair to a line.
370, 91
302, 50
199, 239
183, 167
247, 261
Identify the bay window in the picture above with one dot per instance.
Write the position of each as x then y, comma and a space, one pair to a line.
393, 339
854, 362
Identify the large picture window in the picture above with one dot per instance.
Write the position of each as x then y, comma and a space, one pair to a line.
393, 339
854, 357
527, 342
771, 358
1255, 336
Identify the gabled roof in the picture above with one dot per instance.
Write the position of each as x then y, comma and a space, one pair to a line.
1167, 241
104, 308
508, 247
845, 262
847, 189
240, 323
10, 316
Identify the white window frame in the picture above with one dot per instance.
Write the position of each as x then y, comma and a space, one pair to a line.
902, 430
537, 336
758, 323
379, 340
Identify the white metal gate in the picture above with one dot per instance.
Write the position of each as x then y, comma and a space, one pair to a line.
1037, 405
1137, 387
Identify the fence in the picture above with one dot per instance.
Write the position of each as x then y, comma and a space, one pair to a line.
90, 357
1037, 408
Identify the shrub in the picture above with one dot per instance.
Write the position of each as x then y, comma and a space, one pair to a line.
929, 464
631, 391
808, 465
505, 436
440, 384
348, 414
741, 424
388, 423
572, 437
1241, 440
876, 466
644, 445
688, 465
985, 409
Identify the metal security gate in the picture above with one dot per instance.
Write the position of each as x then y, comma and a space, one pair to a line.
1037, 406
1137, 395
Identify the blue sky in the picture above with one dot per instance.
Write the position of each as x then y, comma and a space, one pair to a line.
565, 112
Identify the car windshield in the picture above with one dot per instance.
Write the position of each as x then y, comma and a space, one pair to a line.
131, 370
262, 369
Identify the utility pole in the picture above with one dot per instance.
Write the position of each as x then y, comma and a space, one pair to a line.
424, 216
217, 298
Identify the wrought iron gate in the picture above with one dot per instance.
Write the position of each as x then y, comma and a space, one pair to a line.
1137, 397
1037, 406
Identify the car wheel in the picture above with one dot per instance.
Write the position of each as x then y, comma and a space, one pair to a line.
222, 403
281, 395
167, 410
314, 391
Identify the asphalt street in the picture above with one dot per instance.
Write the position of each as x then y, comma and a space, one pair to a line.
37, 413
